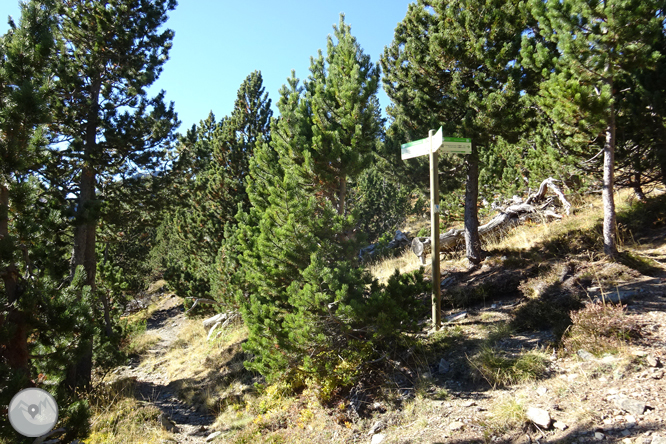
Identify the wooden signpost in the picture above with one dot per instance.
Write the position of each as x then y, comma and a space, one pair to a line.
430, 145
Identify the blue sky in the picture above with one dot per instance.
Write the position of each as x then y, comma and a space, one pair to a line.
219, 42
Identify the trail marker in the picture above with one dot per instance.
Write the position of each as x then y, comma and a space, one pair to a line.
421, 147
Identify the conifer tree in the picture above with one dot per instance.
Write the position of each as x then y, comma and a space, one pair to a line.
312, 314
599, 44
215, 156
109, 52
25, 55
453, 63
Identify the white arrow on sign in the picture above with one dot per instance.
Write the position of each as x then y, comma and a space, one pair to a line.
422, 146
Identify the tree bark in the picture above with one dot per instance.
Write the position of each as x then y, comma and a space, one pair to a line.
15, 346
342, 192
610, 246
472, 243
79, 374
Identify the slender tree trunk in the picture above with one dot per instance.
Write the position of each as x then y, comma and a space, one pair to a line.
79, 374
472, 243
610, 247
15, 345
342, 192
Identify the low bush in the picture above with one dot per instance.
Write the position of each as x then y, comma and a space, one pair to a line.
599, 328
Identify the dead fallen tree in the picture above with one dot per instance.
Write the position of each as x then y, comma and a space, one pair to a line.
400, 240
537, 205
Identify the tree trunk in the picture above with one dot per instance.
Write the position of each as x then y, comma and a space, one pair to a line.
79, 374
472, 244
15, 345
342, 192
610, 247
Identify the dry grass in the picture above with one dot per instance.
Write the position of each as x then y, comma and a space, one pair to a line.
405, 263
599, 328
507, 413
119, 418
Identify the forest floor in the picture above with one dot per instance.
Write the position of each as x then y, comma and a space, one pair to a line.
525, 355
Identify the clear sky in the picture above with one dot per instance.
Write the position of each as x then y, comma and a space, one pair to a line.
219, 42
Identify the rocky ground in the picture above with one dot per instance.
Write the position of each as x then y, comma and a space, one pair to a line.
582, 397
186, 423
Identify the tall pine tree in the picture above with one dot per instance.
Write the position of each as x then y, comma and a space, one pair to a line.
600, 43
312, 314
109, 53
453, 63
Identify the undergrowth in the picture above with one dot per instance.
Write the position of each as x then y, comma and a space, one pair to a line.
599, 328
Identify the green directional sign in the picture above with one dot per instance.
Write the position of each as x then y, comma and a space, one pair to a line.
457, 145
421, 147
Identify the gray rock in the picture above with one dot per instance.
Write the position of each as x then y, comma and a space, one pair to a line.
652, 361
212, 436
167, 424
456, 425
444, 366
376, 428
585, 355
598, 436
560, 425
378, 438
658, 439
539, 417
630, 405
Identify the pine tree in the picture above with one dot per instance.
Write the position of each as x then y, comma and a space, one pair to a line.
600, 43
25, 53
214, 162
109, 52
454, 63
312, 313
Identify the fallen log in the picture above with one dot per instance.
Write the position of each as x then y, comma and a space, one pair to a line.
509, 217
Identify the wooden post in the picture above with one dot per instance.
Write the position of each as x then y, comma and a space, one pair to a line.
434, 230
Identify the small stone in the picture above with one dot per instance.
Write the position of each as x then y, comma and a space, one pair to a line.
630, 405
658, 439
378, 438
598, 436
539, 417
608, 421
212, 436
639, 353
657, 375
444, 366
560, 425
585, 355
456, 425
625, 432
652, 361
541, 391
626, 441
631, 421
469, 404
376, 428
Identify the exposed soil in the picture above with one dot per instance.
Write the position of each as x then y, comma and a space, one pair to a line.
584, 395
186, 423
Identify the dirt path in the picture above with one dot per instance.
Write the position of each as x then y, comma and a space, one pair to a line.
153, 384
